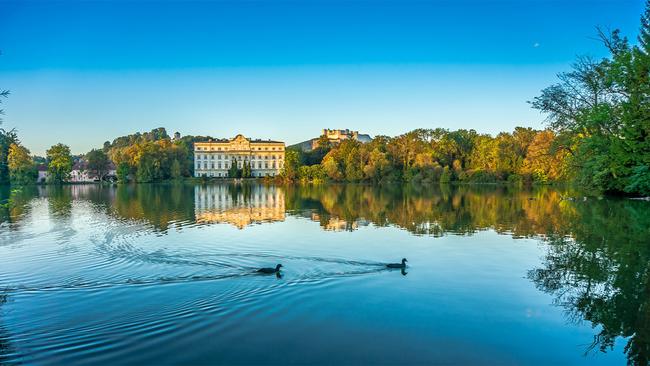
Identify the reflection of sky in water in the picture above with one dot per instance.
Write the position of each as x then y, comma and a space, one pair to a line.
150, 273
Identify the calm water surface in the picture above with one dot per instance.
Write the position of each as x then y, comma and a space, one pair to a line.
163, 274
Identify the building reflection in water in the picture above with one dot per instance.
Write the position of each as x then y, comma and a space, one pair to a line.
337, 223
238, 205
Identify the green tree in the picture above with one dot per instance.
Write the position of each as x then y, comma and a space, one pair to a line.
234, 171
98, 163
59, 163
603, 107
7, 138
21, 166
146, 171
175, 169
291, 165
123, 171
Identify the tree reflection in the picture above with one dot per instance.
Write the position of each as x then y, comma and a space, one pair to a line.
600, 273
6, 350
433, 210
596, 265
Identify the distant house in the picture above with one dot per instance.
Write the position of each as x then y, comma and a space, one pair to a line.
79, 173
42, 173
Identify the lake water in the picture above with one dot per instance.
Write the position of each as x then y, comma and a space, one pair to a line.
164, 274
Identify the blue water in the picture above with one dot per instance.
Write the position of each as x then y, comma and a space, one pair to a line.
166, 275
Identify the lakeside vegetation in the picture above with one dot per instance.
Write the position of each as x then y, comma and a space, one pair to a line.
598, 117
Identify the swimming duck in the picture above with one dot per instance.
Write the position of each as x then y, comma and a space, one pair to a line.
270, 270
398, 265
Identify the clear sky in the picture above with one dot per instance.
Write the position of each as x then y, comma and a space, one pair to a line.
85, 72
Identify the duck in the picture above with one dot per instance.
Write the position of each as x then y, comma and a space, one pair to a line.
398, 265
269, 270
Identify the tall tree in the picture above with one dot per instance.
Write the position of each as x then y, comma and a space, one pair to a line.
21, 166
59, 163
7, 138
98, 163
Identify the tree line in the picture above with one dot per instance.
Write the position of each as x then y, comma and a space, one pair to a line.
598, 117
436, 155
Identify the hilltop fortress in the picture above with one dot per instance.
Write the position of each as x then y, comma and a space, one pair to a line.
335, 137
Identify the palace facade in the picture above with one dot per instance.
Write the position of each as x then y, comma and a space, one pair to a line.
214, 158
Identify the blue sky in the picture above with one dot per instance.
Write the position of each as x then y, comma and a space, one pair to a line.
85, 72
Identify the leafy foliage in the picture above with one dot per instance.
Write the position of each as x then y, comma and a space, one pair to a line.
602, 108
98, 163
59, 163
22, 170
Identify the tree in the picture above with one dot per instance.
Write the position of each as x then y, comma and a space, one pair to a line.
543, 162
377, 165
98, 163
22, 170
246, 170
291, 165
603, 107
234, 171
59, 163
7, 138
146, 171
123, 171
175, 170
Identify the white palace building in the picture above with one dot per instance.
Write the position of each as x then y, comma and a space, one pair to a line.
214, 158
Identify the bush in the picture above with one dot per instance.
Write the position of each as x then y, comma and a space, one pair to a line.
515, 179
